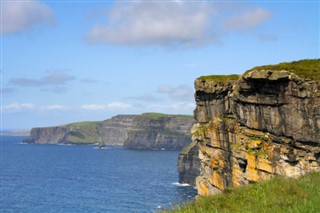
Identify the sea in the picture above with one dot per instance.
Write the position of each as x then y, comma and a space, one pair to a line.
81, 178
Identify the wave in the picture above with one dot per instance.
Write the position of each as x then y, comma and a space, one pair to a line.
23, 143
180, 184
101, 147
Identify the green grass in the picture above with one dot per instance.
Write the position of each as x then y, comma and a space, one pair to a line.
276, 195
84, 132
155, 115
307, 68
85, 124
220, 78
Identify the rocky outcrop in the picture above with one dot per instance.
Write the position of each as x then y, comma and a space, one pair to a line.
189, 164
146, 131
263, 124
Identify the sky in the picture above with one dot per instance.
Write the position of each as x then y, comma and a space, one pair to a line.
70, 61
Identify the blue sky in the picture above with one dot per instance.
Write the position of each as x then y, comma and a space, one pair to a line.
70, 61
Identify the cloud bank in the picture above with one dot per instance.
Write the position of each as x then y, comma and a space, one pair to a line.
54, 82
247, 19
172, 23
18, 16
16, 106
110, 106
155, 22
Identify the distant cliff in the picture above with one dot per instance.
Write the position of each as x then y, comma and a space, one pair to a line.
154, 131
146, 131
75, 133
255, 126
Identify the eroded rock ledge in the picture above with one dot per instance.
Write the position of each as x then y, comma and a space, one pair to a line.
255, 126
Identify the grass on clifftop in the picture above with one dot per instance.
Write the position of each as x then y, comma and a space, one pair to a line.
276, 195
308, 68
84, 132
155, 115
220, 78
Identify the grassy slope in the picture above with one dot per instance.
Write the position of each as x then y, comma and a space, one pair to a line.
220, 78
84, 132
276, 195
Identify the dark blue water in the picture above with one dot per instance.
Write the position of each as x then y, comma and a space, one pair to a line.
53, 178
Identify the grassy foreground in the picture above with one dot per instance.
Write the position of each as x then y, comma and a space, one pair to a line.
276, 195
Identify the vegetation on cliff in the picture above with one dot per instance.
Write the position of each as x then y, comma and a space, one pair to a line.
307, 68
155, 115
220, 78
276, 195
84, 132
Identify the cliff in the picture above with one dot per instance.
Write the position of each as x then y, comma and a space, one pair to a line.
146, 131
253, 127
159, 131
75, 133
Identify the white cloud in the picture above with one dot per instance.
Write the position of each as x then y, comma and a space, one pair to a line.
18, 107
247, 20
156, 22
182, 92
174, 23
18, 16
112, 105
54, 107
118, 105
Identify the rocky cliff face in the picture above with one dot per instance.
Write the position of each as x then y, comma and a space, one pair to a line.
155, 131
251, 128
146, 131
114, 131
83, 132
50, 135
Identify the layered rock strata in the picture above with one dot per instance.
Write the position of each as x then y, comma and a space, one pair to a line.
146, 131
263, 124
155, 131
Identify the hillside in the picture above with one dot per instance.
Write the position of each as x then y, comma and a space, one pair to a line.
276, 195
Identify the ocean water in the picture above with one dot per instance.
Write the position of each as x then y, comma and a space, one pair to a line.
80, 178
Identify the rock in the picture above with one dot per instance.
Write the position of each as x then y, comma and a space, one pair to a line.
263, 124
